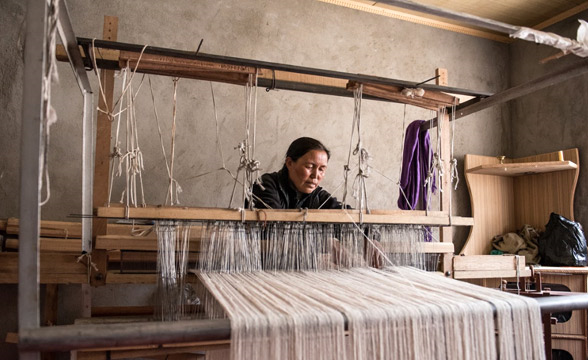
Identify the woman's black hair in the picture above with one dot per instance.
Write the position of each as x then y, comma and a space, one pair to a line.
302, 145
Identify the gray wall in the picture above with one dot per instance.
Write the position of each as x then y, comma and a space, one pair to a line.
553, 118
304, 32
299, 32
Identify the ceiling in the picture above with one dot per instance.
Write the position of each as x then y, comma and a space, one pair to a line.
537, 14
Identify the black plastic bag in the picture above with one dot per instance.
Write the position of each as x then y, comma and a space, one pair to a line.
563, 243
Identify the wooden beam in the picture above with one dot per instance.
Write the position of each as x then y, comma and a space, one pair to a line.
435, 218
422, 19
55, 268
576, 69
446, 233
432, 100
564, 15
102, 157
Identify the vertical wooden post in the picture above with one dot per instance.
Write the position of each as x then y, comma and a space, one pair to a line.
446, 232
102, 158
50, 313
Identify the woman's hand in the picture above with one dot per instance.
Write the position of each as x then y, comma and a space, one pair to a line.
374, 254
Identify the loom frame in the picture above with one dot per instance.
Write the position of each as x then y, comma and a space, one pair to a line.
33, 338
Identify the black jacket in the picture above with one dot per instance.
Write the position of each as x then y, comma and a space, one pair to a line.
279, 193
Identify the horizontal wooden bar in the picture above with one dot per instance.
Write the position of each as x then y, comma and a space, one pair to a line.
525, 168
424, 247
487, 274
55, 268
408, 217
487, 262
51, 245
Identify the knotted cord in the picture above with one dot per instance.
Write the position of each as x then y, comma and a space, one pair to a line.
247, 163
359, 186
173, 188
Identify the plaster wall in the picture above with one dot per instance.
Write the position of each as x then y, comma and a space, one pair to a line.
553, 118
298, 32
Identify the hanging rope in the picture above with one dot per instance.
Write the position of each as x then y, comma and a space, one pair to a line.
49, 75
363, 156
247, 163
174, 188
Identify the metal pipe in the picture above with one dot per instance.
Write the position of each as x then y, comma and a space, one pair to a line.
68, 37
454, 15
31, 149
88, 150
71, 337
553, 304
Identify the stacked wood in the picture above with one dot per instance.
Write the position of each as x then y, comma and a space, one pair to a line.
131, 250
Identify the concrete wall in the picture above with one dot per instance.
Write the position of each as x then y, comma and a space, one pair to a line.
302, 32
299, 32
554, 118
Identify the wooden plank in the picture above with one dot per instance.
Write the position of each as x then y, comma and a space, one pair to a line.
118, 242
51, 245
329, 216
51, 305
492, 202
485, 274
102, 156
164, 62
118, 278
418, 18
487, 262
115, 256
446, 233
442, 77
48, 228
562, 270
528, 168
425, 247
430, 100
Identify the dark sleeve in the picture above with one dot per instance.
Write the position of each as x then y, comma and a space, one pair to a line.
269, 195
330, 202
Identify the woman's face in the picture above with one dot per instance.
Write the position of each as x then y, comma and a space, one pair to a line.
307, 172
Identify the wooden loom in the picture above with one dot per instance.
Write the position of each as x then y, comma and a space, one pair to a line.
274, 76
169, 62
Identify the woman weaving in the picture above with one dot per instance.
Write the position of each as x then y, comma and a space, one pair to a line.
296, 185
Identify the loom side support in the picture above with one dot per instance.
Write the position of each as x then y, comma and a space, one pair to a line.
31, 149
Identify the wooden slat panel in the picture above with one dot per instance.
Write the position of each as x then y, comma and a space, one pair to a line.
537, 196
492, 202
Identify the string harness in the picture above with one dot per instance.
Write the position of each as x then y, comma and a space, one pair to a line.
132, 159
247, 163
363, 157
49, 115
